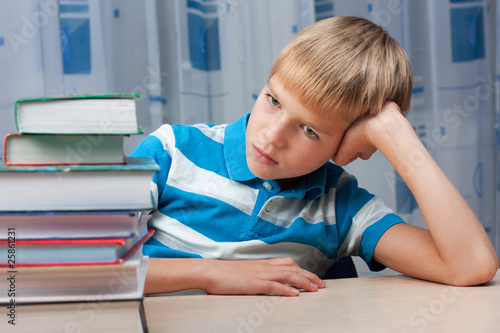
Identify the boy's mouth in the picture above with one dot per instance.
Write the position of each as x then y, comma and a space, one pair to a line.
262, 157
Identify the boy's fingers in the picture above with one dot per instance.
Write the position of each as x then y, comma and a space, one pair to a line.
346, 154
367, 154
293, 271
299, 278
276, 288
300, 282
287, 285
343, 160
283, 261
309, 281
280, 276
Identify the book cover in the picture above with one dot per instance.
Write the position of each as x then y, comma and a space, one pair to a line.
47, 149
76, 283
73, 224
78, 114
78, 187
67, 252
82, 316
78, 96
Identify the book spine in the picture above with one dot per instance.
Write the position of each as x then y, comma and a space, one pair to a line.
135, 248
5, 150
5, 141
62, 242
16, 114
78, 96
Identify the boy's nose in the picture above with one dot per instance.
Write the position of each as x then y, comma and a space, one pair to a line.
276, 132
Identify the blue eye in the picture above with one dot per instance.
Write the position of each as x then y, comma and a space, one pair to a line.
309, 131
273, 100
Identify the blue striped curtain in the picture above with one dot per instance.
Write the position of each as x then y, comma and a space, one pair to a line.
207, 60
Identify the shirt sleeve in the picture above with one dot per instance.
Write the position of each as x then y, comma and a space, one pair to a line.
362, 220
154, 249
153, 147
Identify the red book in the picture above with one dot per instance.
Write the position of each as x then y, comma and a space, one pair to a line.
53, 252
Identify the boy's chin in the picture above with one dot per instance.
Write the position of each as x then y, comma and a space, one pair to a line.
260, 173
274, 176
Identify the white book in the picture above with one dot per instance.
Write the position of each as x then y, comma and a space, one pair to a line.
78, 187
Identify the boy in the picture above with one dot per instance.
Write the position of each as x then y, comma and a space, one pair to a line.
262, 194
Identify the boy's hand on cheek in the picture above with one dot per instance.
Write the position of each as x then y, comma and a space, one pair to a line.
355, 144
280, 276
365, 136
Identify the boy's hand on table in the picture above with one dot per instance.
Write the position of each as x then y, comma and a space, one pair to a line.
360, 138
251, 277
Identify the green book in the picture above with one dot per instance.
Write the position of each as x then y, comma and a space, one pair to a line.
78, 187
78, 114
47, 149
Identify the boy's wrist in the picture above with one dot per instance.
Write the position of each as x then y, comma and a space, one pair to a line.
201, 273
387, 127
396, 139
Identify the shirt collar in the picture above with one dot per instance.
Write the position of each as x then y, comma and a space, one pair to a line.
315, 183
310, 188
235, 150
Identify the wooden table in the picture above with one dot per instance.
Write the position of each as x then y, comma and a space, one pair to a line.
369, 304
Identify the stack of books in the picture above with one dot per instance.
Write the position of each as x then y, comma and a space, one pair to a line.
73, 214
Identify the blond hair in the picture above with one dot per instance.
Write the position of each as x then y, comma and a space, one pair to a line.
345, 66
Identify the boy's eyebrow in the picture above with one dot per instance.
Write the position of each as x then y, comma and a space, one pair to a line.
273, 92
318, 127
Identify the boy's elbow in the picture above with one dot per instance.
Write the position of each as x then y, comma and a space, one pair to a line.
490, 268
480, 271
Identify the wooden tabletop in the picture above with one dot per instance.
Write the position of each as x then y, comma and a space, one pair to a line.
369, 304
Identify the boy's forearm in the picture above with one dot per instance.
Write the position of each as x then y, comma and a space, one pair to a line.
457, 234
169, 275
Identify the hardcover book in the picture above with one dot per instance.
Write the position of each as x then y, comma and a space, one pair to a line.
72, 283
78, 187
78, 114
46, 149
73, 224
86, 251
87, 316
74, 208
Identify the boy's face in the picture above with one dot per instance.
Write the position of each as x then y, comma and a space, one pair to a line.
285, 141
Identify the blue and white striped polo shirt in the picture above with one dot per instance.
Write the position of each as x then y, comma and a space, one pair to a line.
210, 205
